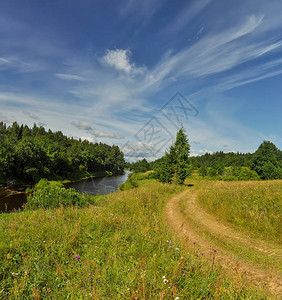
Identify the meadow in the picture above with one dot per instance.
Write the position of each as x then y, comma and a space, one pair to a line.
120, 248
254, 206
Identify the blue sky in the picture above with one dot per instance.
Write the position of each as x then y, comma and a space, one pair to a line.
130, 72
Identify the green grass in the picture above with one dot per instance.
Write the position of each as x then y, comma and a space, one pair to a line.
254, 206
120, 249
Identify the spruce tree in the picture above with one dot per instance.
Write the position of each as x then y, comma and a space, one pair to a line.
174, 164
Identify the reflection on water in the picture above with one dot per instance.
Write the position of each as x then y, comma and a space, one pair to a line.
93, 186
10, 201
101, 186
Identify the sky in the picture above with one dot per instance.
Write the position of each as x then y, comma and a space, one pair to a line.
132, 72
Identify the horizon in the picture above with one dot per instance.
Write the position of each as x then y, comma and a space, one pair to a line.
131, 73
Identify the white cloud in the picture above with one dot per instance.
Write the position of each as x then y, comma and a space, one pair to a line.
215, 53
69, 77
136, 150
102, 134
202, 152
120, 60
82, 125
4, 61
187, 15
18, 65
88, 138
106, 134
31, 115
5, 119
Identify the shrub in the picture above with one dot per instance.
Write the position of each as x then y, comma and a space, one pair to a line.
53, 194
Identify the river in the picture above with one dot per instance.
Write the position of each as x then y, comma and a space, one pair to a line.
14, 199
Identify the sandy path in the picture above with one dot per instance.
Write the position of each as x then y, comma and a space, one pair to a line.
183, 224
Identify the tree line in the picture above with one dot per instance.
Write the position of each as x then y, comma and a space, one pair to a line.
29, 154
265, 163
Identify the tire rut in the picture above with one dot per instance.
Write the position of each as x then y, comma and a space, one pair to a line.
179, 222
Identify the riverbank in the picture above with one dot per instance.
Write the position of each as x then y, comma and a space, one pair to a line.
118, 249
98, 183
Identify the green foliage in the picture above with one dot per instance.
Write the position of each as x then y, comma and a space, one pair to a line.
53, 194
164, 169
174, 166
119, 250
140, 166
203, 171
29, 154
248, 174
130, 183
267, 161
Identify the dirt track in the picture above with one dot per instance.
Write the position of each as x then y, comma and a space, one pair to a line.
182, 222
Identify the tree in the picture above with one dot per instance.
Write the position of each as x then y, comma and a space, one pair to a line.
267, 161
164, 169
175, 163
181, 151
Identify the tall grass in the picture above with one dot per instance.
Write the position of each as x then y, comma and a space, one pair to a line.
255, 206
118, 250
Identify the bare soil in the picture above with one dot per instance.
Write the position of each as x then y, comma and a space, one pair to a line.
192, 224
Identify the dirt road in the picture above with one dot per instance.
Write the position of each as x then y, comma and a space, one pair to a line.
196, 228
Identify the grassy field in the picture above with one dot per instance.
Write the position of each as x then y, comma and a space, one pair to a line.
119, 249
253, 205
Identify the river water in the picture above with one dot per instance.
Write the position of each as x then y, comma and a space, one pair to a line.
14, 200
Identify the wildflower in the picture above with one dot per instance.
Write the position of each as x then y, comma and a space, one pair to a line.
77, 257
165, 281
98, 280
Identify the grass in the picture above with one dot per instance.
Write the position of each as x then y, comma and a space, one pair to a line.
253, 206
120, 249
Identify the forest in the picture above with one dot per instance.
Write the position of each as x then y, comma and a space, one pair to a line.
265, 163
29, 154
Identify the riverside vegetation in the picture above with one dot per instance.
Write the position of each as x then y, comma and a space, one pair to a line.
119, 248
30, 154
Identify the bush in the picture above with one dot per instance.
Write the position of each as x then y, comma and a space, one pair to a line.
48, 194
247, 174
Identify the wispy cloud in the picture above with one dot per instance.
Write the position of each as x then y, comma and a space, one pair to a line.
187, 15
5, 119
140, 8
31, 115
215, 53
18, 65
69, 77
96, 133
82, 125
